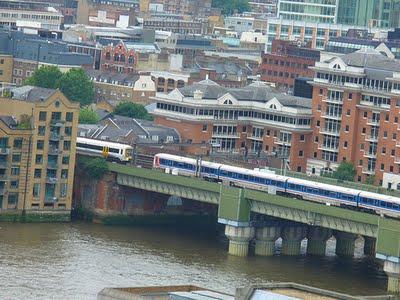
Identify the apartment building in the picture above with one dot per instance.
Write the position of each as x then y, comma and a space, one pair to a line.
356, 106
175, 24
49, 19
38, 130
167, 81
252, 119
286, 62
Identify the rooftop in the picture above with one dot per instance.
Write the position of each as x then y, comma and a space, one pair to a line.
31, 93
371, 59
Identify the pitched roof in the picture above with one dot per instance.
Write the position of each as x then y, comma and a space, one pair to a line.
31, 93
371, 58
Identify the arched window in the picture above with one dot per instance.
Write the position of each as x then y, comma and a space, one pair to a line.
131, 59
122, 58
337, 67
272, 106
228, 102
116, 57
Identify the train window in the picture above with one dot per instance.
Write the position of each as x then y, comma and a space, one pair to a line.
273, 182
246, 177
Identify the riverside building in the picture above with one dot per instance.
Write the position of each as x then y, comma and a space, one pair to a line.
254, 119
38, 129
356, 110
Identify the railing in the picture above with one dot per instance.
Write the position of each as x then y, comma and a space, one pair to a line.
330, 132
368, 171
372, 104
282, 142
52, 164
255, 137
54, 151
374, 122
226, 135
328, 148
55, 136
57, 123
370, 154
371, 138
397, 160
51, 180
332, 100
50, 199
4, 150
332, 116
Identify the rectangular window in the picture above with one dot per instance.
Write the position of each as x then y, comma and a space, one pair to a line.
38, 173
13, 199
16, 158
39, 159
68, 131
65, 160
56, 116
36, 190
40, 145
15, 171
17, 143
42, 116
14, 184
63, 190
64, 173
67, 145
69, 117
41, 130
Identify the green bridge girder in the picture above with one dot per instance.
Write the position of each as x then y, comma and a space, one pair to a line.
235, 205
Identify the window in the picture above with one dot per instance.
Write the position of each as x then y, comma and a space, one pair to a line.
362, 146
69, 117
319, 107
67, 145
38, 173
298, 169
318, 123
387, 117
394, 136
302, 138
321, 92
13, 199
63, 190
383, 150
345, 144
347, 128
364, 130
68, 131
39, 159
18, 143
40, 145
56, 116
204, 127
64, 173
385, 134
393, 152
16, 158
268, 132
15, 171
360, 163
65, 160
36, 190
315, 154
365, 114
301, 153
348, 112
316, 139
41, 130
391, 169
42, 116
382, 167
14, 184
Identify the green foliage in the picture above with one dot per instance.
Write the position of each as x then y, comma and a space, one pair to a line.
46, 77
345, 172
93, 167
77, 86
88, 116
229, 7
24, 122
7, 94
132, 110
370, 180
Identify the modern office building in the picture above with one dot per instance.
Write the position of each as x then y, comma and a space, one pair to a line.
254, 119
356, 106
38, 130
367, 13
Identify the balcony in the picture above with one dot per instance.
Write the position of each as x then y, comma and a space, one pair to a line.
55, 136
332, 116
371, 138
282, 142
327, 131
3, 164
52, 165
50, 199
255, 137
370, 154
328, 148
51, 180
57, 123
333, 100
4, 151
397, 143
373, 122
54, 151
231, 135
397, 160
368, 171
375, 105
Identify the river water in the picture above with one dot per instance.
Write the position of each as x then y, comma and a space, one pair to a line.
77, 260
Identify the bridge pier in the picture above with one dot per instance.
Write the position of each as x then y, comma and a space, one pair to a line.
291, 239
369, 246
392, 270
265, 240
345, 243
239, 238
317, 237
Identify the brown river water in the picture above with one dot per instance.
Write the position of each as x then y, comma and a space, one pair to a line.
77, 260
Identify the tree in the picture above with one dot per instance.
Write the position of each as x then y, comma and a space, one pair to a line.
93, 167
132, 110
229, 7
77, 86
88, 116
345, 172
46, 77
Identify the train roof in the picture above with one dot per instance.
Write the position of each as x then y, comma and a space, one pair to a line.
102, 143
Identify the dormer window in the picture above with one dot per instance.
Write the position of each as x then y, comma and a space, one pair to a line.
337, 67
272, 106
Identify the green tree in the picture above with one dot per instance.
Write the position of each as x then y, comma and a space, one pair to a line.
229, 7
345, 172
132, 110
93, 167
77, 86
88, 116
45, 76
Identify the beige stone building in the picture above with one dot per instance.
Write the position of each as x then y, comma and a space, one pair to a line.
38, 129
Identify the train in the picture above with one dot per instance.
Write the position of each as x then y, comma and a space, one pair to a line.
112, 151
273, 183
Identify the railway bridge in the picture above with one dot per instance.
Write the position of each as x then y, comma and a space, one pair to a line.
317, 222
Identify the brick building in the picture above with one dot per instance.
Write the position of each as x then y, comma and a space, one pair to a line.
175, 24
356, 106
232, 120
124, 57
286, 62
